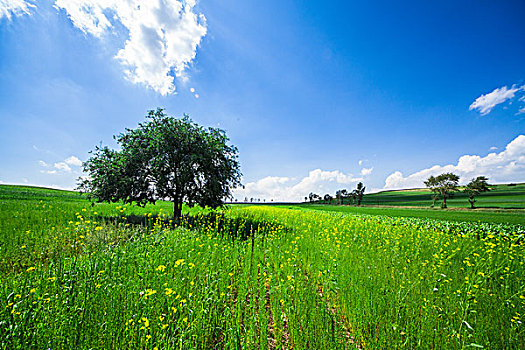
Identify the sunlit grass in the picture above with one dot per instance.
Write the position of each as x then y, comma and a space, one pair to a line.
255, 277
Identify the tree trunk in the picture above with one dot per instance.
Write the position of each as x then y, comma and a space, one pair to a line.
472, 201
177, 211
444, 202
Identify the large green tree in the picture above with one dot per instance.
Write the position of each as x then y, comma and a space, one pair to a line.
164, 158
475, 187
444, 185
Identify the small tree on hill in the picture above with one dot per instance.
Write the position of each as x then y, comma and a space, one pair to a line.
435, 197
164, 158
340, 195
359, 193
444, 185
475, 187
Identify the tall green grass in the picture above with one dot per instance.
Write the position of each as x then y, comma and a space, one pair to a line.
255, 278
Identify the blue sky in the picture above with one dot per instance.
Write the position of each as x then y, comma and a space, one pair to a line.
316, 95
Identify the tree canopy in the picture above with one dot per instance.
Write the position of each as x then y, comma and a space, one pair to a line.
164, 158
444, 185
475, 187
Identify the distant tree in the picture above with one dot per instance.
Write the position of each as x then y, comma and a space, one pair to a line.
435, 197
340, 195
443, 185
245, 199
475, 187
327, 198
353, 196
164, 158
344, 194
359, 193
306, 199
313, 197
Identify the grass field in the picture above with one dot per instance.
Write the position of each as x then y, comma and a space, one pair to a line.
501, 196
494, 216
256, 277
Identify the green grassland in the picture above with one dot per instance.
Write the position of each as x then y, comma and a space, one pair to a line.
494, 216
501, 196
503, 204
77, 276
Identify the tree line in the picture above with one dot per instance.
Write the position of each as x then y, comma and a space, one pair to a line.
354, 197
442, 188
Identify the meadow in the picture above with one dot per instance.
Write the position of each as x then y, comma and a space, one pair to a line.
510, 196
118, 276
513, 216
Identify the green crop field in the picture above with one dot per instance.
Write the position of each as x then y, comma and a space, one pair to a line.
253, 277
512, 216
501, 196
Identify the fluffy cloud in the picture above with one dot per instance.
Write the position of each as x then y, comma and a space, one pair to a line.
366, 171
163, 35
73, 161
485, 103
286, 189
9, 8
62, 166
505, 166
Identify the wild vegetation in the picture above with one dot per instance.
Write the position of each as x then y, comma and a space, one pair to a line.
118, 276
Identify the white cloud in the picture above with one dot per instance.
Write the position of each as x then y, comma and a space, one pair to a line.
48, 171
287, 189
505, 166
62, 166
521, 111
485, 103
42, 163
9, 8
360, 162
493, 148
73, 161
163, 35
366, 171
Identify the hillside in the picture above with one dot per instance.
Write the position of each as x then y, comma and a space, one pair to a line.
510, 196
